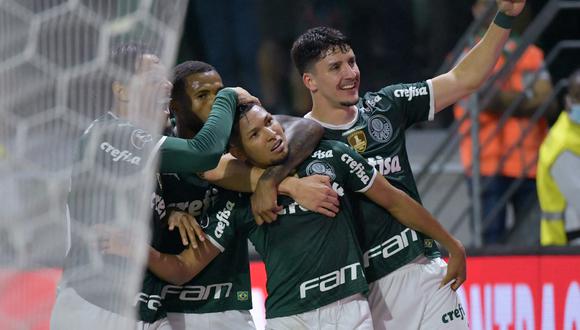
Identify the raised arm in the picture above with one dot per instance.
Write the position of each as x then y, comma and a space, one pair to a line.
203, 152
472, 71
416, 217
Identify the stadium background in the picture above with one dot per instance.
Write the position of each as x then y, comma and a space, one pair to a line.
511, 286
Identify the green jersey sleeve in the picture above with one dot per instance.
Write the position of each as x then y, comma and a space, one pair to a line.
229, 214
415, 101
203, 152
359, 175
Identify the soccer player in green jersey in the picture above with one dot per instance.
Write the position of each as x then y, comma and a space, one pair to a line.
313, 263
404, 272
116, 151
220, 296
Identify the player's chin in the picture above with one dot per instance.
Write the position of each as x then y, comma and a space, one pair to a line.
279, 158
350, 102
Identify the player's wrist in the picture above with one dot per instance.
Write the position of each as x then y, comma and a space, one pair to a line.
504, 20
288, 186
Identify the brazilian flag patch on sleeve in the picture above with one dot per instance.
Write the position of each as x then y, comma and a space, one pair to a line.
242, 295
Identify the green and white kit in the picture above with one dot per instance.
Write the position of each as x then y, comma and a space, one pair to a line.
311, 260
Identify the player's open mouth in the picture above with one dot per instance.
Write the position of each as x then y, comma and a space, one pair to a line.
278, 146
350, 86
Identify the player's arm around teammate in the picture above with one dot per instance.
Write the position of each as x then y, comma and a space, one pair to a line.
472, 71
413, 215
305, 134
314, 193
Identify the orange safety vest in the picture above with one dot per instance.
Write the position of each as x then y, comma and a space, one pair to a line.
523, 156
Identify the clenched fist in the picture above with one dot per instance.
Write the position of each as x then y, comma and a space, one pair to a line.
511, 7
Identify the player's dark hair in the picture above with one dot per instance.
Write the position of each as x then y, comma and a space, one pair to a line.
241, 112
314, 45
127, 57
178, 93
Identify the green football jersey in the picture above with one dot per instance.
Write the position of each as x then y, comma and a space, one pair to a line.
150, 305
106, 181
311, 260
225, 283
378, 134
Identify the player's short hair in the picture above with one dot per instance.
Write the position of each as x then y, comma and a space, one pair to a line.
314, 44
241, 111
180, 74
127, 57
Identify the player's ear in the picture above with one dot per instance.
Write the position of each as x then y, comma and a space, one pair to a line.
309, 82
120, 91
173, 106
238, 152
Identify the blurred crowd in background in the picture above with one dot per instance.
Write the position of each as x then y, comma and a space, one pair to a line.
249, 41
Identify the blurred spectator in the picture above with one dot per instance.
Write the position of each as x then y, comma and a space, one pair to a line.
282, 20
230, 35
383, 36
558, 179
506, 154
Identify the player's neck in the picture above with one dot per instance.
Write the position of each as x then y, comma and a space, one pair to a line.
121, 109
184, 132
333, 115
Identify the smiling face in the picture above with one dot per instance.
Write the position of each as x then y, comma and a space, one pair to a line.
335, 78
261, 139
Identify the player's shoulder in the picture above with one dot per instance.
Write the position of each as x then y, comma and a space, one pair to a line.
331, 145
330, 151
108, 123
405, 90
393, 94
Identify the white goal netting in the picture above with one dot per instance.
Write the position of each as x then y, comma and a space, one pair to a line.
56, 77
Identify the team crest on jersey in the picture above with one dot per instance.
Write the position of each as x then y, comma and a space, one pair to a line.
380, 128
139, 138
322, 168
357, 140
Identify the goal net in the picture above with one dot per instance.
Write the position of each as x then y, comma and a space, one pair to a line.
62, 185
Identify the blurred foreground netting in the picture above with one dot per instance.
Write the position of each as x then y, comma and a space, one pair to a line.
55, 79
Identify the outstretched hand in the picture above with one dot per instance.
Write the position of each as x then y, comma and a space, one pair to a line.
511, 7
456, 268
